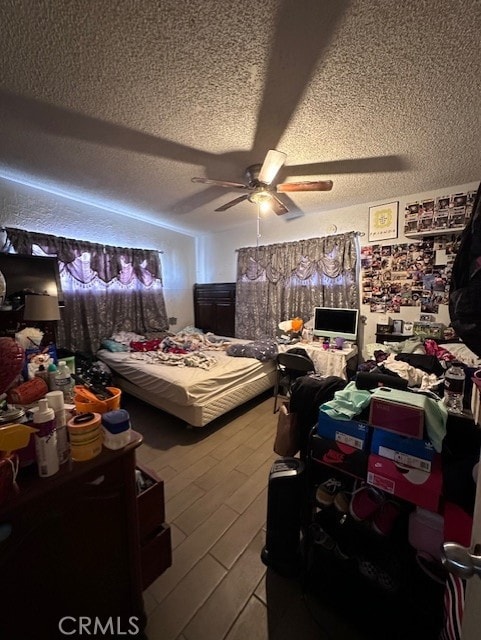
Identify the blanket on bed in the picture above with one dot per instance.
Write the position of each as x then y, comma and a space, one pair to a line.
194, 359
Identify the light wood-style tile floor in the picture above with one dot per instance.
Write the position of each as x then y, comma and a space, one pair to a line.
216, 499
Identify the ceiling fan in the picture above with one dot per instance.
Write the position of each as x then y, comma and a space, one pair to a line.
261, 190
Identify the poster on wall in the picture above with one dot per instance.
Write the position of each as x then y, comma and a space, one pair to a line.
439, 214
415, 274
383, 222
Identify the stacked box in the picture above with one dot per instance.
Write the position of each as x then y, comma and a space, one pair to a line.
410, 452
350, 432
338, 455
419, 487
401, 412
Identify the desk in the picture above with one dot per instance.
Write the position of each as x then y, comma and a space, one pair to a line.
329, 362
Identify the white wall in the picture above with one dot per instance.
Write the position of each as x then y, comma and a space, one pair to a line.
34, 209
217, 256
186, 260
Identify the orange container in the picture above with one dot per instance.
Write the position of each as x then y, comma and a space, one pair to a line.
87, 402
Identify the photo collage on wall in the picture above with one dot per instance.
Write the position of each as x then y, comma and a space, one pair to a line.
415, 274
436, 214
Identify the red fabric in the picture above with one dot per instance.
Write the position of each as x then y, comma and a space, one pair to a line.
433, 349
145, 345
453, 608
457, 528
457, 524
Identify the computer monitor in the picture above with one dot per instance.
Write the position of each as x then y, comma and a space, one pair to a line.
336, 323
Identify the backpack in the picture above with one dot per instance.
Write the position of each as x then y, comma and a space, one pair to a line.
465, 285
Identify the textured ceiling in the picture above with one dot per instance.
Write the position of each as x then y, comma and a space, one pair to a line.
121, 102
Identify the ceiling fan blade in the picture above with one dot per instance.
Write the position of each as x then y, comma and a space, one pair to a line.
318, 185
375, 164
272, 163
278, 207
232, 203
221, 183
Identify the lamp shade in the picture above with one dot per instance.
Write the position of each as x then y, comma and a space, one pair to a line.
41, 308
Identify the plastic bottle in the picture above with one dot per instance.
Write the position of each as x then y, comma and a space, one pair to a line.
52, 372
64, 382
56, 402
45, 440
454, 380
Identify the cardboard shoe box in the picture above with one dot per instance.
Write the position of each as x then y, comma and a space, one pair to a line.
410, 452
399, 411
351, 432
416, 486
339, 456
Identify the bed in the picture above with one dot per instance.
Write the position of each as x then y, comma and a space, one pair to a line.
387, 356
193, 394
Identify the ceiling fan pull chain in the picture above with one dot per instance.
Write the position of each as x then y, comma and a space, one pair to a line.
258, 224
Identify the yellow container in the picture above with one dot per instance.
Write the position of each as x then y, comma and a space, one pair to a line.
86, 401
14, 437
85, 433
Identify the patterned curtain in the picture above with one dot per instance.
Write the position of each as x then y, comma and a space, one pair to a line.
106, 289
282, 281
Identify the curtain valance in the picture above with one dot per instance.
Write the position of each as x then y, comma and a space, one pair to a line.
331, 257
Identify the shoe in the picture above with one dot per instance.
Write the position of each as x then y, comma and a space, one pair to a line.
365, 502
342, 501
385, 517
322, 538
377, 576
326, 492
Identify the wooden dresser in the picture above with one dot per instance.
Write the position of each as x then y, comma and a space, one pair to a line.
82, 543
214, 308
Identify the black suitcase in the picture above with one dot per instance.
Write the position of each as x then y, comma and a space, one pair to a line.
284, 506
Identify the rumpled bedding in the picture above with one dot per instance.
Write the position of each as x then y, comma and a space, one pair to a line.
188, 342
381, 357
415, 377
193, 359
186, 348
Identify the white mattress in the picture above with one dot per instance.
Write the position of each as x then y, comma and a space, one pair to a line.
187, 385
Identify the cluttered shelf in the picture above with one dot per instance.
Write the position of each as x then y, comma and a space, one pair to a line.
388, 474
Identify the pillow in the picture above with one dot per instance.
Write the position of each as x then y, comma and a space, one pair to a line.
190, 329
462, 353
262, 350
371, 347
113, 345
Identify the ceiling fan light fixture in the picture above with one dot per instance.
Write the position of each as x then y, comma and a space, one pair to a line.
261, 191
260, 197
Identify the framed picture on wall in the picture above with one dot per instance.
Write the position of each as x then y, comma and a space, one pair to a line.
383, 222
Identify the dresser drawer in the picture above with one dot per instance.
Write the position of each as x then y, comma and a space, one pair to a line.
156, 555
151, 505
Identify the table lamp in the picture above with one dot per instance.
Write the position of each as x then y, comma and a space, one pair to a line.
42, 308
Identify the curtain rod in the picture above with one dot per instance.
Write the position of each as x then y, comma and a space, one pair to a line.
356, 233
99, 243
